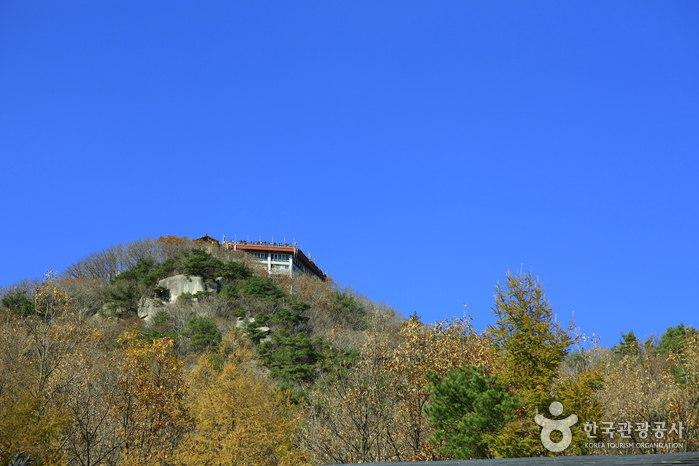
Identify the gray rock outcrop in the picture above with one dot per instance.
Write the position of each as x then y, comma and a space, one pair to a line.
241, 322
180, 284
176, 286
148, 308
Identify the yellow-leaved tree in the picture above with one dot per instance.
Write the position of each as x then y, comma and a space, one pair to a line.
684, 399
238, 417
151, 407
373, 410
43, 344
532, 346
431, 349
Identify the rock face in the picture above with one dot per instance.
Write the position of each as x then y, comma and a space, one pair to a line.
221, 282
241, 322
148, 308
180, 284
176, 286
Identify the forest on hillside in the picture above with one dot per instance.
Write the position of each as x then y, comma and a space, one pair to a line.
262, 369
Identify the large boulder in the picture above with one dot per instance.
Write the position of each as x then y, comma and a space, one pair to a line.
148, 308
175, 286
241, 324
180, 284
241, 321
221, 282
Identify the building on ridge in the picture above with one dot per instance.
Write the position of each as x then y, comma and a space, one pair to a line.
206, 242
279, 257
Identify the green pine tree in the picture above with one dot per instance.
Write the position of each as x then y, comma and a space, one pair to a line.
291, 358
466, 408
259, 287
532, 346
628, 345
203, 332
18, 303
202, 264
673, 341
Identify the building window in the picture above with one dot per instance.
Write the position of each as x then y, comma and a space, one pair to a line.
261, 255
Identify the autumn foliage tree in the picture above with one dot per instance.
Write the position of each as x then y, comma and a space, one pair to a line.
658, 386
424, 350
30, 420
351, 411
635, 391
152, 410
683, 404
40, 369
322, 375
532, 346
173, 245
238, 418
373, 411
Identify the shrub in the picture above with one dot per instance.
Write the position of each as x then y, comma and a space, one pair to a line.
235, 270
187, 295
160, 327
203, 332
18, 303
259, 288
228, 291
202, 264
349, 311
291, 358
252, 328
143, 273
287, 318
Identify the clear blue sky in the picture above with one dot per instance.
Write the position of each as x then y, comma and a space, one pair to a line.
418, 150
